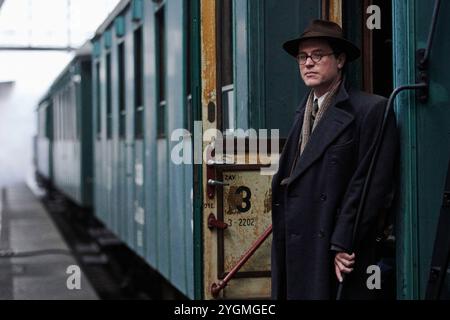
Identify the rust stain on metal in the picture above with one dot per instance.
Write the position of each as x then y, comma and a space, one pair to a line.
335, 12
208, 76
234, 200
268, 201
208, 48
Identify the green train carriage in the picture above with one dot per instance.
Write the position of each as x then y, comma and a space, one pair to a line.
161, 65
43, 142
140, 195
64, 142
220, 62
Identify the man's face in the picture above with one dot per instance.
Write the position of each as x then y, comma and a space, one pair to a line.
319, 75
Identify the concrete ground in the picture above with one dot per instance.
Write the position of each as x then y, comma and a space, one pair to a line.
25, 227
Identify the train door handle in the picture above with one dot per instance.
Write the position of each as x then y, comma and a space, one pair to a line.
215, 183
213, 223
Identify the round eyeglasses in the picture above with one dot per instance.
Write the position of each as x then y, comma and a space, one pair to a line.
315, 57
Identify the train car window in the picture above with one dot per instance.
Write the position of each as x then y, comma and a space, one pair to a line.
98, 100
57, 117
65, 113
61, 117
225, 60
40, 122
108, 97
49, 121
122, 105
71, 116
74, 118
161, 69
138, 84
43, 133
41, 113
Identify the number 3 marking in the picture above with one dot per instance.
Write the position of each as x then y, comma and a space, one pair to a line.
246, 199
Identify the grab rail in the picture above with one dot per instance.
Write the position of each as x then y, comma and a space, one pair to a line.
217, 287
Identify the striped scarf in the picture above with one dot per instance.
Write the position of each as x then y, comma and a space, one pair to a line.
306, 129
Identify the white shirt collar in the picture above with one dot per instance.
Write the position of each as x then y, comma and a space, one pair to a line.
321, 99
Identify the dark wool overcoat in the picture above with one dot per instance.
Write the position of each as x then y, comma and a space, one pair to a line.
317, 208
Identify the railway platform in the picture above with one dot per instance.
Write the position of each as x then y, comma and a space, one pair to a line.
35, 261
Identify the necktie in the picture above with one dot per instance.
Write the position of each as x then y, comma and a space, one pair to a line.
314, 111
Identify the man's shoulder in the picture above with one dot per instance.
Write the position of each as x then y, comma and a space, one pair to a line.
364, 103
367, 99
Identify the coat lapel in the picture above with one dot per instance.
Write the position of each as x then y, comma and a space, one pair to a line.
332, 124
289, 149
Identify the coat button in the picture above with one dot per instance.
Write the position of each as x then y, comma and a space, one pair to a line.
333, 161
276, 204
321, 234
323, 197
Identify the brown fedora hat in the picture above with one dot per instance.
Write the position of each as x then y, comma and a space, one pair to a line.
322, 29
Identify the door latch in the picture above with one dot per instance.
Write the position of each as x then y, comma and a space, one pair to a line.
215, 183
213, 223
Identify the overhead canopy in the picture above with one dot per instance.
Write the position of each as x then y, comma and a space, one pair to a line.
25, 24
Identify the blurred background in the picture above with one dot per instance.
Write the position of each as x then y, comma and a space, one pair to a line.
37, 40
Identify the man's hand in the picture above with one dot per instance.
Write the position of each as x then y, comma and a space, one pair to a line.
343, 263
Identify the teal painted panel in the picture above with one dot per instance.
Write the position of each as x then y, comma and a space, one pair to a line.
72, 150
433, 123
130, 120
425, 142
196, 199
122, 193
108, 184
85, 133
178, 192
406, 224
278, 96
139, 203
114, 162
241, 65
96, 142
104, 157
163, 218
150, 125
189, 230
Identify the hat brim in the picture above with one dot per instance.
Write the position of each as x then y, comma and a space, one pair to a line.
349, 48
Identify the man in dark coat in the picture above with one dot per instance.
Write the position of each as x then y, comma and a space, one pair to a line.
322, 170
